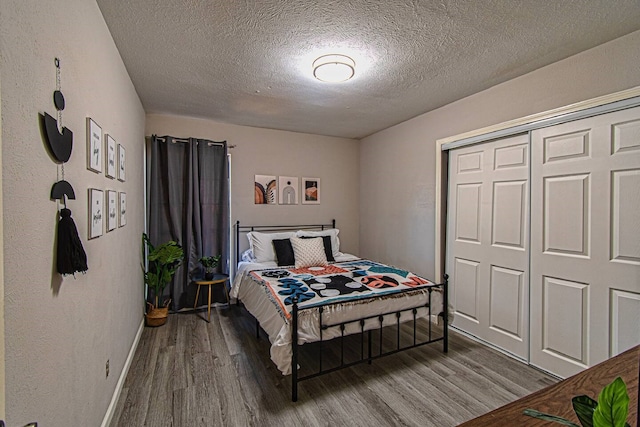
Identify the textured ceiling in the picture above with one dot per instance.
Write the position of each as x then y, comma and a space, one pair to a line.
249, 62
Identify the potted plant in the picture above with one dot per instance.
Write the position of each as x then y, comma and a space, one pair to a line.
162, 263
209, 263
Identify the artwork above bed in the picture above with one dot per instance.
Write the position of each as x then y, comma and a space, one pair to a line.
288, 194
285, 190
311, 191
265, 190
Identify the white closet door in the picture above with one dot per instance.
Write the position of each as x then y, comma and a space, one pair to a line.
585, 241
488, 242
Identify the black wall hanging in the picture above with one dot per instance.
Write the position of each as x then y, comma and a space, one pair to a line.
59, 143
71, 257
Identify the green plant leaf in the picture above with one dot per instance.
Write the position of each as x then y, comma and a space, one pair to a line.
547, 417
613, 405
161, 262
210, 261
584, 406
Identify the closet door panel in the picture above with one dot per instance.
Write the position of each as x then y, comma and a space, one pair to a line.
512, 156
585, 268
466, 293
468, 215
625, 332
508, 228
487, 241
566, 215
626, 137
625, 216
565, 327
568, 146
507, 292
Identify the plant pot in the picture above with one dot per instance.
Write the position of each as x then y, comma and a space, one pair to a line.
208, 275
157, 316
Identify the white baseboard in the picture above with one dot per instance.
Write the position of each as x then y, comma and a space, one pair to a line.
123, 375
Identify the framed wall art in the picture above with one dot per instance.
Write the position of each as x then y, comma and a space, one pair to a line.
112, 209
311, 191
121, 163
266, 190
110, 167
94, 146
96, 212
288, 190
123, 209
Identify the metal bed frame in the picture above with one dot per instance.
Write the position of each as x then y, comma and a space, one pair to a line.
367, 353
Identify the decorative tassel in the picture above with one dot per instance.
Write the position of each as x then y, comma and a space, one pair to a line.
71, 255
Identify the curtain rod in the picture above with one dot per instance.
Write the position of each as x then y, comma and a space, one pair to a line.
210, 143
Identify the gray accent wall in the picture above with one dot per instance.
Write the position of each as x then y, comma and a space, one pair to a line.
60, 332
397, 165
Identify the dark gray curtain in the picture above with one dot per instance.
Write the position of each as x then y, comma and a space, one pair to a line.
189, 203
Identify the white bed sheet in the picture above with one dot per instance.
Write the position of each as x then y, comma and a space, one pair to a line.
278, 328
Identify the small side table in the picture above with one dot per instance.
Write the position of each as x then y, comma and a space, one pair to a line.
218, 279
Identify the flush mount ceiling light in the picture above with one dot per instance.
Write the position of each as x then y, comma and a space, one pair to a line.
334, 68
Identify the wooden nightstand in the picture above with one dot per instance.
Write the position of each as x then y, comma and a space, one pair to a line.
218, 279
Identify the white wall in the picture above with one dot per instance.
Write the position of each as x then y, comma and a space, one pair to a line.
60, 332
271, 152
2, 388
397, 165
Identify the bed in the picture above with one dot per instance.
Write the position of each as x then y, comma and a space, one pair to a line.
301, 289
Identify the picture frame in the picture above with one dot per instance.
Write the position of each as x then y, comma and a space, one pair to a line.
265, 190
122, 209
311, 191
112, 210
94, 146
288, 190
121, 163
96, 212
110, 158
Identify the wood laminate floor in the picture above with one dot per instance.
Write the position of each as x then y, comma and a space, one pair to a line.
192, 373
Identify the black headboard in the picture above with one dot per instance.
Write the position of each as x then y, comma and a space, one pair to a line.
243, 229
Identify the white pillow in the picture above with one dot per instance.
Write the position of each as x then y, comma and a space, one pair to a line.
333, 232
308, 252
261, 244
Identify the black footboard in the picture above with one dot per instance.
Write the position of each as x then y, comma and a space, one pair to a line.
369, 354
